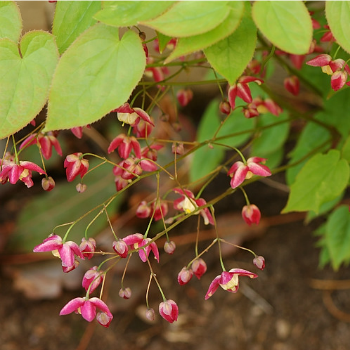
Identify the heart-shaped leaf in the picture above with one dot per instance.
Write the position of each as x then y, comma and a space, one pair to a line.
71, 19
96, 74
286, 24
187, 18
25, 81
198, 42
230, 56
11, 21
129, 13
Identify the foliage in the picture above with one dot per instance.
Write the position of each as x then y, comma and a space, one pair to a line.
100, 63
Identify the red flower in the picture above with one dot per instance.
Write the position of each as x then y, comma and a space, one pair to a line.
76, 165
228, 281
137, 242
92, 279
292, 85
251, 214
199, 267
169, 310
132, 116
125, 145
184, 96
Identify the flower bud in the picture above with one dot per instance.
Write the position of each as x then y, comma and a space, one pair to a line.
48, 184
251, 214
259, 262
143, 210
225, 107
292, 85
199, 267
125, 293
121, 248
80, 187
169, 247
87, 247
169, 310
178, 148
184, 96
184, 276
92, 279
150, 315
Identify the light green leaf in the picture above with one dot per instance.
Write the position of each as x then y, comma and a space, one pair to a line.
25, 81
287, 24
71, 19
322, 179
230, 56
338, 18
206, 158
163, 41
95, 75
11, 21
64, 204
345, 153
130, 13
337, 237
187, 18
195, 43
270, 139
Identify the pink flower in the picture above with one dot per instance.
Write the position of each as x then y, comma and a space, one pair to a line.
87, 247
240, 171
267, 105
143, 211
92, 279
121, 248
251, 214
169, 310
259, 262
75, 165
184, 276
87, 308
184, 96
228, 281
199, 267
132, 116
12, 172
327, 36
292, 85
242, 90
125, 145
46, 143
143, 128
160, 209
137, 242
66, 251
189, 204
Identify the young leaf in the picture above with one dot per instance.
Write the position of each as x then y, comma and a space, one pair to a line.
71, 19
11, 21
286, 24
130, 13
198, 42
322, 179
337, 236
187, 18
25, 81
96, 74
230, 56
338, 18
206, 158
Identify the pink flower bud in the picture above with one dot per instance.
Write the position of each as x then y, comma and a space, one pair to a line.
199, 267
178, 148
184, 276
225, 107
259, 262
80, 187
338, 80
143, 211
92, 279
121, 248
87, 247
125, 293
169, 310
292, 85
150, 315
184, 96
48, 183
251, 214
170, 246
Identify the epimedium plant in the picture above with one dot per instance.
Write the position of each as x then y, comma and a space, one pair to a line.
98, 61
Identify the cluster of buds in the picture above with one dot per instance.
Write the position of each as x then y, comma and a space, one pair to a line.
158, 209
198, 268
338, 69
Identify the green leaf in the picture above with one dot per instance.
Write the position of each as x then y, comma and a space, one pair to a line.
64, 204
273, 138
338, 18
206, 158
322, 179
25, 81
286, 24
187, 18
163, 41
325, 207
345, 153
198, 42
95, 75
130, 13
11, 21
337, 236
71, 19
230, 56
